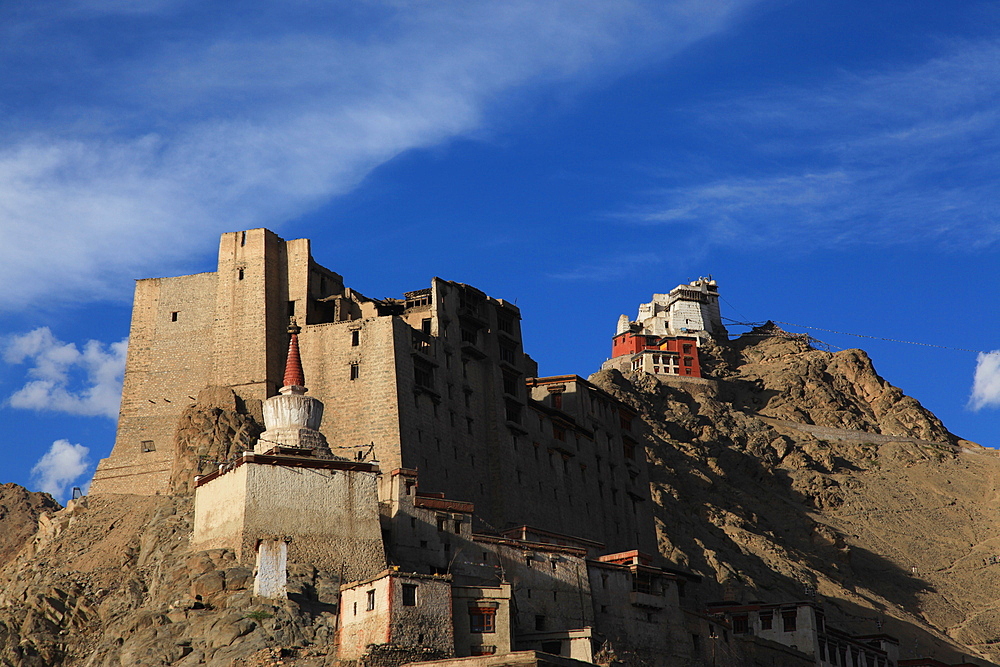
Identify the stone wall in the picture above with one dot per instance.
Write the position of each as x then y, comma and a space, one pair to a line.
331, 516
374, 612
165, 368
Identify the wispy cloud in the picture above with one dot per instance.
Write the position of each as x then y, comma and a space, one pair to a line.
62, 465
64, 378
257, 117
986, 383
910, 155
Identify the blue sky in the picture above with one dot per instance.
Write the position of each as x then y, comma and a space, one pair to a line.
831, 164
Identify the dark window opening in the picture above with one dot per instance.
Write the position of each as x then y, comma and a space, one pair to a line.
539, 623
409, 595
371, 600
423, 374
511, 383
243, 238
741, 625
291, 308
239, 273
507, 354
625, 421
552, 647
355, 338
147, 446
355, 371
788, 620
173, 316
766, 620
425, 326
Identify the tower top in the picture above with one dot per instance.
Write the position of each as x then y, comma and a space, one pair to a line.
295, 379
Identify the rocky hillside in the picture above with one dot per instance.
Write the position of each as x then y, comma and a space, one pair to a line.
19, 512
800, 472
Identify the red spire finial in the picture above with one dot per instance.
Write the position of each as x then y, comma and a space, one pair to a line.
294, 377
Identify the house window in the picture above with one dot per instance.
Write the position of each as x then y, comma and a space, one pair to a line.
741, 625
507, 354
147, 446
625, 421
482, 619
628, 449
291, 308
239, 273
371, 600
355, 338
355, 370
423, 374
458, 527
173, 316
766, 618
539, 623
788, 620
409, 595
482, 650
441, 523
425, 326
511, 382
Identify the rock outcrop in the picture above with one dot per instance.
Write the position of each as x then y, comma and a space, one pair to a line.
212, 431
19, 512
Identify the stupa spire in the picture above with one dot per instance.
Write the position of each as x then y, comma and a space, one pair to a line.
295, 378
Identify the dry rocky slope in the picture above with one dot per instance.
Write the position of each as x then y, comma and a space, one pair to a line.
795, 472
802, 472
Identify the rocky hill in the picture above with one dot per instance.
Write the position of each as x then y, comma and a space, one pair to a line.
792, 473
801, 472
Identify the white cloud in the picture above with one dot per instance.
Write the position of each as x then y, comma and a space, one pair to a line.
910, 155
63, 378
986, 383
63, 464
235, 125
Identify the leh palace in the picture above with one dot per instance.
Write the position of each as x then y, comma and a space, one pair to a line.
471, 511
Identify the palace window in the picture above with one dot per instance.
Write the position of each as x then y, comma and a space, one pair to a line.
482, 619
